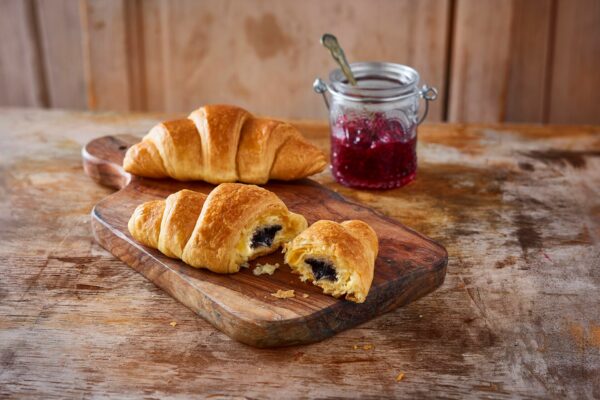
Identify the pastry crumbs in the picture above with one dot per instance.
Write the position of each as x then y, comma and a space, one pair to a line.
283, 294
173, 324
265, 269
305, 295
400, 377
367, 346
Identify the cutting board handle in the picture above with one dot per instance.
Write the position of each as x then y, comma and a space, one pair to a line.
103, 160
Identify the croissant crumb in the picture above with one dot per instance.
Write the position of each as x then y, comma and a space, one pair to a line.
265, 269
283, 294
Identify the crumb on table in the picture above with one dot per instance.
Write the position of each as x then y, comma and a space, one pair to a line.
283, 294
173, 324
400, 377
305, 295
367, 346
261, 269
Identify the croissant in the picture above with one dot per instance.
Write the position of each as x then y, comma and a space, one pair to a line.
235, 223
339, 258
222, 143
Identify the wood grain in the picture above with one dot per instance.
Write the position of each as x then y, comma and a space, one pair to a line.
21, 74
573, 95
530, 61
480, 58
106, 56
61, 35
517, 207
408, 266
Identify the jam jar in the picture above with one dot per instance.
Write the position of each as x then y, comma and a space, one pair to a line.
374, 124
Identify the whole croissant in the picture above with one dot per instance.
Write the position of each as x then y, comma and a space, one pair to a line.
235, 223
223, 143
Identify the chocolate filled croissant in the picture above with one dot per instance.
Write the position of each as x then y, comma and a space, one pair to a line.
339, 258
222, 143
235, 223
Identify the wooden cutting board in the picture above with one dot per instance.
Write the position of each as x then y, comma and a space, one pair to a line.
408, 267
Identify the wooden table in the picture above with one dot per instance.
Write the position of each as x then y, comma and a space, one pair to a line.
518, 208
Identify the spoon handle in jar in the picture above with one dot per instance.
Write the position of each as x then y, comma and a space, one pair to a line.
330, 41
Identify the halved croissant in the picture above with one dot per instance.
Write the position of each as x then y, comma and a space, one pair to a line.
222, 143
235, 223
339, 258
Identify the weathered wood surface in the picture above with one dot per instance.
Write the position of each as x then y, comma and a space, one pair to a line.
518, 208
407, 267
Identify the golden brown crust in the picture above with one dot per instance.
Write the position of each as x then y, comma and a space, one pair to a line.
364, 233
172, 139
223, 143
214, 231
351, 247
229, 208
259, 142
297, 159
182, 210
144, 159
219, 127
144, 224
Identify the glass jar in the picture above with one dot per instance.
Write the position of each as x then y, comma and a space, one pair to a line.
374, 124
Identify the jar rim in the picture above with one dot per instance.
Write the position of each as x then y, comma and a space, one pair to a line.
402, 82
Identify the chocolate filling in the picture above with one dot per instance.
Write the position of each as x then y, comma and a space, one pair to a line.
264, 236
322, 269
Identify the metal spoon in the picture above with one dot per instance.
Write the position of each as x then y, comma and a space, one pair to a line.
331, 42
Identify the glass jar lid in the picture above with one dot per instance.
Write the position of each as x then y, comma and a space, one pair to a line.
376, 82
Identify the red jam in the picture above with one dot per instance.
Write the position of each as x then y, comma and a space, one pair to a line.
373, 152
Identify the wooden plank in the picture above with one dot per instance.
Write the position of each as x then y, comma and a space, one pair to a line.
152, 28
22, 80
530, 61
515, 318
105, 54
61, 36
264, 55
428, 41
480, 57
134, 41
574, 95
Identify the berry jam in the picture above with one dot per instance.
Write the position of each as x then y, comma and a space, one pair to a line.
373, 152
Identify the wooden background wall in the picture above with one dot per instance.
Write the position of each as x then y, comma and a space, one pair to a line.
493, 60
